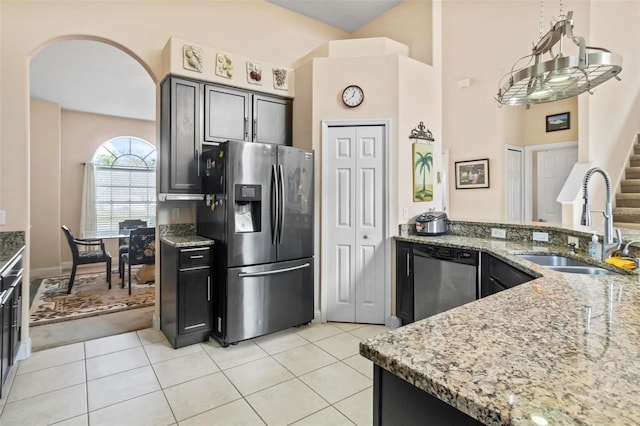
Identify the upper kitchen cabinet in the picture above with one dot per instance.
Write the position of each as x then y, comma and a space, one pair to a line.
232, 114
272, 120
227, 114
180, 136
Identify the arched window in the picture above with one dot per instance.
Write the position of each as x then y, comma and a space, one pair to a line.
125, 182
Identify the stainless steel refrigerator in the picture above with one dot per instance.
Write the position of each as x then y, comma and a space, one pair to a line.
259, 210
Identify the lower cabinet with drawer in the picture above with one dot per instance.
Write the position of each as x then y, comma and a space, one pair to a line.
497, 275
185, 294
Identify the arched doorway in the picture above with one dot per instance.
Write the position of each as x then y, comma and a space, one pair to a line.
83, 91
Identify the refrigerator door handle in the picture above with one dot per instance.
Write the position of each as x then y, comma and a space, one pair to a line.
278, 271
281, 199
275, 204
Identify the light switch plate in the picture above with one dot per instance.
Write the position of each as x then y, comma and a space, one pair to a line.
405, 213
175, 213
541, 236
3, 217
498, 233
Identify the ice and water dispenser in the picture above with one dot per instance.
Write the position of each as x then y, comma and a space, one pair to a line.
248, 207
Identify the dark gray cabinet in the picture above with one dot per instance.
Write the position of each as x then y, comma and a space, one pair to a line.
272, 120
185, 294
10, 314
398, 402
497, 275
235, 114
180, 136
227, 114
193, 113
404, 281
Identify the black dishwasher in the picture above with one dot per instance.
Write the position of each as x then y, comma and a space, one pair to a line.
444, 278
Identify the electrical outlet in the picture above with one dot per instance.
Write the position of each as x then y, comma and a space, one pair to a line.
3, 217
574, 240
498, 233
175, 213
541, 236
405, 213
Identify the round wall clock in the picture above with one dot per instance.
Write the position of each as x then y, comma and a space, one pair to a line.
352, 96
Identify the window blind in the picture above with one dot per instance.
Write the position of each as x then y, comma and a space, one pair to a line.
124, 193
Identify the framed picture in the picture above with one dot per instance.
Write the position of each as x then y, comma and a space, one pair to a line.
472, 174
557, 122
422, 172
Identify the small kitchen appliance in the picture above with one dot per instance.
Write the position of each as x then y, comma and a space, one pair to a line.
432, 223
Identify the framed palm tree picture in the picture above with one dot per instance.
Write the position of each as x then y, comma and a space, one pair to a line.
472, 174
422, 174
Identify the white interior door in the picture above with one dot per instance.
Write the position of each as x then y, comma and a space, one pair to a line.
514, 185
552, 169
354, 252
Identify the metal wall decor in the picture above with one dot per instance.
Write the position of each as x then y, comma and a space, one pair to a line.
419, 133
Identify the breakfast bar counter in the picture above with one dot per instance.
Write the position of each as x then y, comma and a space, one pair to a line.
562, 349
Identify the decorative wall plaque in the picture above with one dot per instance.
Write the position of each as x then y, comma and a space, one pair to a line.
224, 66
280, 79
192, 58
254, 73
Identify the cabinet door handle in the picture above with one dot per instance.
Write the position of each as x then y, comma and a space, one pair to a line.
255, 129
246, 131
408, 266
209, 288
197, 162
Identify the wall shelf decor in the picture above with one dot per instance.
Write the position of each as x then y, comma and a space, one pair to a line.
420, 134
472, 174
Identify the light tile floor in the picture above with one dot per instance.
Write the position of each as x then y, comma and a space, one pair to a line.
310, 375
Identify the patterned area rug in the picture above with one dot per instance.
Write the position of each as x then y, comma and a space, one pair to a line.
90, 296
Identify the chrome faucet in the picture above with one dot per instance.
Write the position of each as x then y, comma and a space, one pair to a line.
625, 251
609, 244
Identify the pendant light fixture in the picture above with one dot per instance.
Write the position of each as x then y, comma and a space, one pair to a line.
561, 76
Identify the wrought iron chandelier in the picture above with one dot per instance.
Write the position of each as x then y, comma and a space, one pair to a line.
561, 76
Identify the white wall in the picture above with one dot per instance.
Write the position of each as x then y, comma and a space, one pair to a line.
496, 34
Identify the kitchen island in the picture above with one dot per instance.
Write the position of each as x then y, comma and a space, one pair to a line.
560, 349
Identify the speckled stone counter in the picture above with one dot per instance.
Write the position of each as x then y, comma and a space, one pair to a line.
564, 348
11, 244
187, 240
182, 235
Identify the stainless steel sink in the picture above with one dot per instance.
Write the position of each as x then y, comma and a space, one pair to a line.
552, 260
590, 270
565, 264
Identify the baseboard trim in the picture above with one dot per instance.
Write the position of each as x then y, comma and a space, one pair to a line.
45, 272
24, 351
317, 316
156, 321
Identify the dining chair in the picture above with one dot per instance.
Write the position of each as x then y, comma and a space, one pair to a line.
96, 253
123, 242
141, 251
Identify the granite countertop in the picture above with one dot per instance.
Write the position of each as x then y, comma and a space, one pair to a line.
530, 353
11, 245
186, 240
